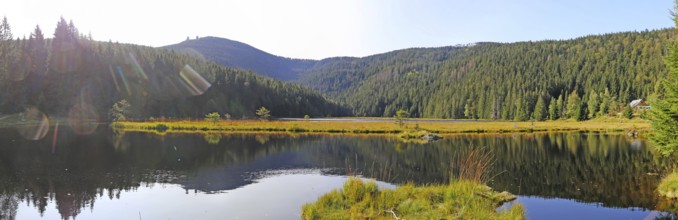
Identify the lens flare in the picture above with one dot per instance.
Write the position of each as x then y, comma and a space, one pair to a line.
132, 60
54, 137
33, 124
83, 119
115, 79
124, 80
193, 81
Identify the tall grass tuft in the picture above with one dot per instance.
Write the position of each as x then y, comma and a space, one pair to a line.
475, 165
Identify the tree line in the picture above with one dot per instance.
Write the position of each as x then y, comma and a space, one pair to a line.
580, 78
73, 71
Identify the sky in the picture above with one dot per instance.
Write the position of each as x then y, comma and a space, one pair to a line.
316, 29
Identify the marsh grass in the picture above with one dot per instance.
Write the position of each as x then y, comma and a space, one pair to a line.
465, 197
385, 127
668, 186
474, 165
364, 200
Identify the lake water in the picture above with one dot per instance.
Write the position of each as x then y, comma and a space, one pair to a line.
108, 175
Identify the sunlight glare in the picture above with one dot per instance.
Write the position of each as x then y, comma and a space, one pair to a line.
33, 124
193, 81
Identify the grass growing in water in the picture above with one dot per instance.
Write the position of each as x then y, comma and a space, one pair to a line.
462, 199
669, 186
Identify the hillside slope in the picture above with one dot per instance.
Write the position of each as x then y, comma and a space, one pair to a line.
71, 76
493, 80
235, 54
483, 80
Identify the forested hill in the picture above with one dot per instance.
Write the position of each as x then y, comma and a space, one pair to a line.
72, 76
578, 78
239, 55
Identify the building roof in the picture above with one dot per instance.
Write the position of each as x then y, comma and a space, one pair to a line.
635, 103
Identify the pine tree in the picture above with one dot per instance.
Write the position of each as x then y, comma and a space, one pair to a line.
6, 55
553, 112
38, 51
593, 104
665, 111
604, 107
468, 111
559, 107
574, 106
522, 111
539, 109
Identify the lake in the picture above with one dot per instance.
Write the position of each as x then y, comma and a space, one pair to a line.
113, 175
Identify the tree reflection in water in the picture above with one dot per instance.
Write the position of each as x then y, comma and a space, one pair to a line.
611, 170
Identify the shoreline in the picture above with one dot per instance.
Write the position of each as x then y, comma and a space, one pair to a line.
382, 126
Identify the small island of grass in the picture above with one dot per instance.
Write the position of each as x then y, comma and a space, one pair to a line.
461, 199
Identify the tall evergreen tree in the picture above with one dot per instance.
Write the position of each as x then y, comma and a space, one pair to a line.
574, 110
38, 51
540, 109
605, 102
5, 48
593, 104
553, 113
665, 111
559, 107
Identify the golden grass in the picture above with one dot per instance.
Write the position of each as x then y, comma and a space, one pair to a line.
385, 127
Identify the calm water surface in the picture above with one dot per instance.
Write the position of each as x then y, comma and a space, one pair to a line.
109, 175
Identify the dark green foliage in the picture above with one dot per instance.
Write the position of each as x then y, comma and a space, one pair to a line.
574, 107
55, 75
665, 110
540, 110
485, 80
553, 109
496, 80
628, 112
593, 104
605, 103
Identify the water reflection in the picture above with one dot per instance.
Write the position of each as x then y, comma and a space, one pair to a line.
610, 170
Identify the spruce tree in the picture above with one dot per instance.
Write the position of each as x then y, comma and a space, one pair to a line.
539, 110
574, 106
593, 104
665, 111
559, 107
5, 48
553, 112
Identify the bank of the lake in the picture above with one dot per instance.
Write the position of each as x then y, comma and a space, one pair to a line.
372, 126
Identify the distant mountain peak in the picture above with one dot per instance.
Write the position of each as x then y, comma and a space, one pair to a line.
239, 55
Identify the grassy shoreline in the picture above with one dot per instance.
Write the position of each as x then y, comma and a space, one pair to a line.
383, 127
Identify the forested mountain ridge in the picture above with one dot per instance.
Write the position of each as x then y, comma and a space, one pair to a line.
578, 78
591, 76
235, 54
71, 76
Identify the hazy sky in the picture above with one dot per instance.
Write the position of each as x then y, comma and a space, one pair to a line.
319, 29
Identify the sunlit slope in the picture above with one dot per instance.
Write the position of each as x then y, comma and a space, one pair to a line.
72, 76
498, 80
